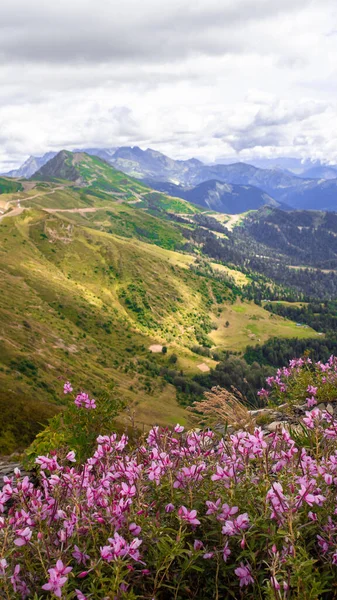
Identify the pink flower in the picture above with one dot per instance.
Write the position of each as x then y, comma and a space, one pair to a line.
3, 566
198, 545
154, 472
226, 512
169, 508
274, 583
311, 401
57, 578
226, 552
79, 556
67, 388
243, 572
179, 428
71, 456
242, 522
24, 536
323, 544
213, 507
79, 595
188, 515
133, 548
234, 527
83, 400
312, 390
135, 529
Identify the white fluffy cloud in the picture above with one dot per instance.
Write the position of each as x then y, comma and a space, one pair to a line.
208, 78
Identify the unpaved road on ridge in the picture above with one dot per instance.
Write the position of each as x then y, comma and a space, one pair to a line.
19, 209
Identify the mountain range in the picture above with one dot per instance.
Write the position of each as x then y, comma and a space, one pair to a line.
99, 272
247, 186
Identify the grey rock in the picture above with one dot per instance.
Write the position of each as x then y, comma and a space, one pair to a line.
275, 425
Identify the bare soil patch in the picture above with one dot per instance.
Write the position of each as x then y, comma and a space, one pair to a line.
156, 348
203, 367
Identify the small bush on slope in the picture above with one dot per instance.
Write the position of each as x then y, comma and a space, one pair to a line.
179, 516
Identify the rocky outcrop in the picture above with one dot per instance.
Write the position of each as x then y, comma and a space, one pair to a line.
7, 468
284, 415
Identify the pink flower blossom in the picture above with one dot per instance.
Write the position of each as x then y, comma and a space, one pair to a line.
135, 529
179, 428
226, 552
67, 388
79, 595
57, 578
3, 566
24, 536
274, 583
188, 515
243, 572
79, 556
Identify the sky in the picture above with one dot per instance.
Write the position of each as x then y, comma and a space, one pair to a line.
206, 78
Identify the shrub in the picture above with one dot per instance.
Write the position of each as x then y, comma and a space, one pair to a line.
303, 381
178, 516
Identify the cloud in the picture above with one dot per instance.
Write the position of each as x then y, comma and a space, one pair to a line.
207, 78
109, 31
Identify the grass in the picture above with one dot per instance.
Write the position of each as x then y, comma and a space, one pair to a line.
84, 305
84, 295
8, 186
249, 323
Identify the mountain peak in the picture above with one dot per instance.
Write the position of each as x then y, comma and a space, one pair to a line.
62, 166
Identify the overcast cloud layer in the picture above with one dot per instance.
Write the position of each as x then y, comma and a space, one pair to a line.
204, 78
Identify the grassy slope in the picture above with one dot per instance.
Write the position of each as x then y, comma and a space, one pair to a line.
75, 300
84, 292
60, 311
250, 323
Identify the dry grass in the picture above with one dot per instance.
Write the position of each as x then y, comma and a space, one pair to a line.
221, 407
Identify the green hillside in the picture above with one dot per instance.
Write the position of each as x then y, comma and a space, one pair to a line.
97, 270
84, 304
8, 186
101, 180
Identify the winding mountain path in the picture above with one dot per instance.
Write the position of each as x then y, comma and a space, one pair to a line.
19, 209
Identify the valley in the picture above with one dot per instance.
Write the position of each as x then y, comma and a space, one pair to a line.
97, 268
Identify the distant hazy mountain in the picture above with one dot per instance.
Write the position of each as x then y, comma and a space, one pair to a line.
155, 165
321, 172
31, 165
228, 197
103, 153
314, 195
218, 196
297, 166
279, 184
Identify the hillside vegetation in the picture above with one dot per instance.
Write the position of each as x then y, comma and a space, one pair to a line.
96, 270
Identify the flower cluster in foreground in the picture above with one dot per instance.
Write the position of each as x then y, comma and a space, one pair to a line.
179, 515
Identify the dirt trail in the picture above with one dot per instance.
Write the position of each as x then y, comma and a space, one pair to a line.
19, 209
13, 213
90, 209
232, 221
